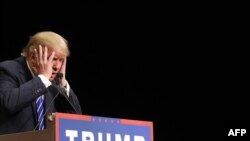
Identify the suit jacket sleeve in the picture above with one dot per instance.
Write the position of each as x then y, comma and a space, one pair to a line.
15, 92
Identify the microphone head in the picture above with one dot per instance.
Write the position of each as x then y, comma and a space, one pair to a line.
58, 78
59, 75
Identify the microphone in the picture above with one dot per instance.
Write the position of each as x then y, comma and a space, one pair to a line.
58, 81
61, 90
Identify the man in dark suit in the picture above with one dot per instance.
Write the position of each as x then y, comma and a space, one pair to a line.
38, 73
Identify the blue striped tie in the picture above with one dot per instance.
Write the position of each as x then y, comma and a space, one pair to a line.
40, 111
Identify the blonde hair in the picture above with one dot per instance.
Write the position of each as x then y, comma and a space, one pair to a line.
50, 39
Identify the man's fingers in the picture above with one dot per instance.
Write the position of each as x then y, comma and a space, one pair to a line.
51, 56
64, 62
45, 54
63, 68
40, 54
36, 55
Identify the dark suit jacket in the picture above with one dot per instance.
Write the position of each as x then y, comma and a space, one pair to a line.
18, 92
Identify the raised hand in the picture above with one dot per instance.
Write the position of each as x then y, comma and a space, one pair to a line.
43, 64
63, 71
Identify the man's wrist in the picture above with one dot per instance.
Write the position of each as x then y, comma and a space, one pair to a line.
45, 80
64, 83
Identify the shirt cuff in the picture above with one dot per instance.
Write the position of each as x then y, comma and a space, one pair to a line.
45, 80
67, 88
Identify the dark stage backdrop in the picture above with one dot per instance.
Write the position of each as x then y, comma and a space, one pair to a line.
116, 63
144, 61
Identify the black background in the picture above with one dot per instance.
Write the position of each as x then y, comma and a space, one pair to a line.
143, 61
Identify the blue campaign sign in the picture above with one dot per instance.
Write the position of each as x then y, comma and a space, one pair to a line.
71, 127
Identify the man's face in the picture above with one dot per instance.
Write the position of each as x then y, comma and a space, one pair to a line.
57, 62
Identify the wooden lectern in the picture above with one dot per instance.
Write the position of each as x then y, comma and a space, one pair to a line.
71, 127
44, 135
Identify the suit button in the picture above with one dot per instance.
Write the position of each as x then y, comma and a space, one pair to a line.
37, 91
